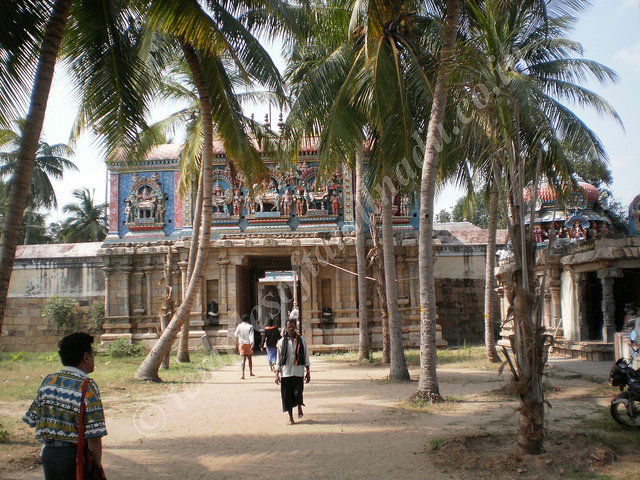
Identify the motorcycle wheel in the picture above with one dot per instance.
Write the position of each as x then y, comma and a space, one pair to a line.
621, 412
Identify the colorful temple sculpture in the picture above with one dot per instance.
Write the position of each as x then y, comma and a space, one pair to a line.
592, 273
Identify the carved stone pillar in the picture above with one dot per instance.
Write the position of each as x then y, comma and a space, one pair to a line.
260, 301
183, 278
556, 318
580, 281
546, 316
107, 290
283, 303
139, 309
412, 281
148, 272
400, 275
353, 284
222, 293
607, 277
339, 292
126, 269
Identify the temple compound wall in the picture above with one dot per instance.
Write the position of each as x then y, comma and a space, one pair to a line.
40, 272
284, 247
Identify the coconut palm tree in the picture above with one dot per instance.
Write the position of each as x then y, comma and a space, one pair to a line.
50, 163
110, 27
88, 221
428, 387
16, 204
527, 66
210, 35
374, 82
21, 29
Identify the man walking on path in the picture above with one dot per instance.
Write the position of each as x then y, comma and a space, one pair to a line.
244, 334
55, 413
292, 370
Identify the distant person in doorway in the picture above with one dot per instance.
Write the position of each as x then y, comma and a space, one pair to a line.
631, 317
271, 337
292, 370
244, 334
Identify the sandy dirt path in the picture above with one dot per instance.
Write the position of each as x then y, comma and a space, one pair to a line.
225, 428
221, 427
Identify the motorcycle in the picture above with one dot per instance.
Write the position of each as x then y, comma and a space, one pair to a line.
625, 407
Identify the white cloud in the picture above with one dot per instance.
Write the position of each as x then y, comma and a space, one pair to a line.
629, 4
629, 56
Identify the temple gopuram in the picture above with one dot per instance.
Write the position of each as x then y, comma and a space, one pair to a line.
284, 247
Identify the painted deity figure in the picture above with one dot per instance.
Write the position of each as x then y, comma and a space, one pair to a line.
287, 200
540, 234
577, 232
299, 198
218, 198
335, 202
404, 206
237, 202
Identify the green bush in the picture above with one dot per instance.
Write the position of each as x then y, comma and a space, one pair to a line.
62, 312
4, 434
96, 315
125, 348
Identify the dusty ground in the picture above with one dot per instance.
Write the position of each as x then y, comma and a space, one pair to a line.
355, 427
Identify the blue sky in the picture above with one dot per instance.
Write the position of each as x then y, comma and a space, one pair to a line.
609, 34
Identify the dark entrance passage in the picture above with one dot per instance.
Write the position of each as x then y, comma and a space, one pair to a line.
593, 301
264, 288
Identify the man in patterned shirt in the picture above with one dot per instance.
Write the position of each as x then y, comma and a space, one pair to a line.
56, 410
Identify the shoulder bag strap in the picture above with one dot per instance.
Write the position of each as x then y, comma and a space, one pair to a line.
80, 456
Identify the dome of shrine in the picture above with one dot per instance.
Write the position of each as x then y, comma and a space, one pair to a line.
588, 194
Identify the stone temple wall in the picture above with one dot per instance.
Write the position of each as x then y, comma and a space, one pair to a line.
40, 272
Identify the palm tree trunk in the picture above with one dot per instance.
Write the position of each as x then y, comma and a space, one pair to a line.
151, 365
398, 368
364, 343
489, 277
375, 260
183, 343
428, 384
27, 227
29, 146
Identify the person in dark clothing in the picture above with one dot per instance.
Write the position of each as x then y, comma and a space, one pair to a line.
292, 369
271, 337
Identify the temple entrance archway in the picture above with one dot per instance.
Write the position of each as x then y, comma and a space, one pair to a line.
265, 289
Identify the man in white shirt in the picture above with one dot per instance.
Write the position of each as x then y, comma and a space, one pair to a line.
244, 334
292, 369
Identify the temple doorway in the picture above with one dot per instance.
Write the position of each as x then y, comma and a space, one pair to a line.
265, 289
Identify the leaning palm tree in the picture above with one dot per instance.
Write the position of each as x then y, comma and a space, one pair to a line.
209, 36
88, 221
106, 30
29, 145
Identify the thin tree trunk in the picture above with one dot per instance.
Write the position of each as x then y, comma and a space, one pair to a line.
489, 277
375, 261
183, 343
29, 146
398, 367
151, 365
428, 387
364, 343
27, 229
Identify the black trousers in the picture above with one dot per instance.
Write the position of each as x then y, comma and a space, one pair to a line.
291, 389
59, 463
